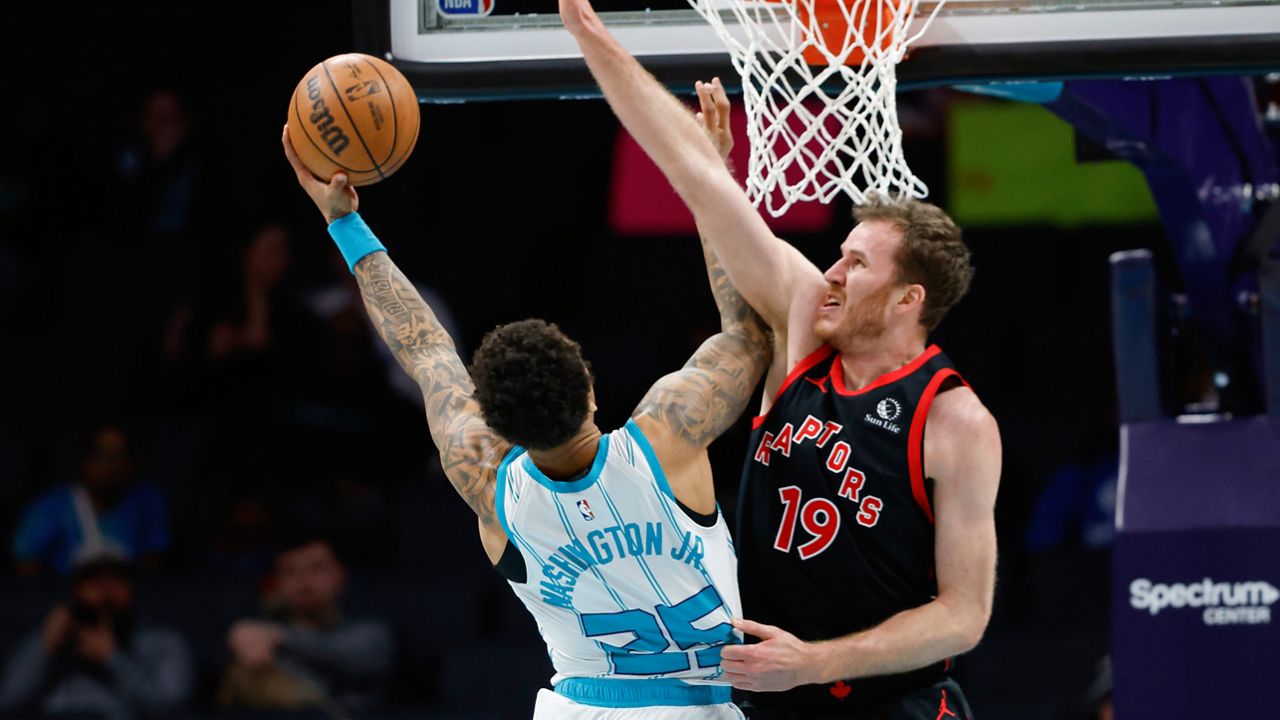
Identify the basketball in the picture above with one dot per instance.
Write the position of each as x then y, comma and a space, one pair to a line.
355, 114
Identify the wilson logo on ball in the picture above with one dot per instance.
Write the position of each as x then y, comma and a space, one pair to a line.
322, 119
353, 114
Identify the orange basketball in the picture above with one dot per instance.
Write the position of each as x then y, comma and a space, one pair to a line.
355, 114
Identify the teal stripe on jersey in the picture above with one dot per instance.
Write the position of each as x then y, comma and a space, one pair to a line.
529, 547
613, 693
579, 485
568, 528
655, 467
644, 566
500, 489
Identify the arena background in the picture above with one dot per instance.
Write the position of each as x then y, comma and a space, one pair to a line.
111, 277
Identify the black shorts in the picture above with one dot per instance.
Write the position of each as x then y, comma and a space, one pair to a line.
941, 701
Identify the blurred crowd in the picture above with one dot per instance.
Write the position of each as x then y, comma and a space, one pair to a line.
175, 366
191, 407
219, 495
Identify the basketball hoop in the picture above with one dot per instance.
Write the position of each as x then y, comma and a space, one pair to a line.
819, 87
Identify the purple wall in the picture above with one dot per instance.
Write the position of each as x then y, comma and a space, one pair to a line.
1197, 571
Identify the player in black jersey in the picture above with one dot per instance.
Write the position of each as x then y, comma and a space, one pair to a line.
866, 534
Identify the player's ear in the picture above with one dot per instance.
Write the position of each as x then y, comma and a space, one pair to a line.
913, 294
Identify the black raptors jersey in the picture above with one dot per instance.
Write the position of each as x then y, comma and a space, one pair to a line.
835, 520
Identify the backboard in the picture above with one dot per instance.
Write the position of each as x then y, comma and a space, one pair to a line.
458, 50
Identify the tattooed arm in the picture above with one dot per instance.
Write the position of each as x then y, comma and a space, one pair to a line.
469, 450
701, 400
686, 410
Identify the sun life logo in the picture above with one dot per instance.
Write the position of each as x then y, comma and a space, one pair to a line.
888, 409
585, 509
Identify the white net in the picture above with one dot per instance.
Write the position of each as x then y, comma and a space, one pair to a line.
819, 85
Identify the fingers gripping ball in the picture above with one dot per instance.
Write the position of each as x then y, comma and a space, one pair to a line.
354, 114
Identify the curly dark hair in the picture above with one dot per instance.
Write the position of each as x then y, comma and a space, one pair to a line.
932, 253
532, 383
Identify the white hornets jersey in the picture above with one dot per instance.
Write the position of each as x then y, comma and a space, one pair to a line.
623, 584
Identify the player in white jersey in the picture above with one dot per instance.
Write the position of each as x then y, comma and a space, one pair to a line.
613, 541
624, 583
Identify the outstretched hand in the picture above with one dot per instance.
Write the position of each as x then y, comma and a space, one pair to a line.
779, 662
578, 16
714, 115
334, 198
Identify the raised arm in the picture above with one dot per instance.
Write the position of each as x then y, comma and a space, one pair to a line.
688, 409
698, 402
469, 450
772, 275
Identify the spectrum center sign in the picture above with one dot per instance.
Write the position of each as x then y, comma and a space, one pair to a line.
1223, 603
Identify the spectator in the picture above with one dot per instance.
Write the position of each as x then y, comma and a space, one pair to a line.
245, 544
264, 265
93, 657
107, 508
307, 654
241, 353
162, 172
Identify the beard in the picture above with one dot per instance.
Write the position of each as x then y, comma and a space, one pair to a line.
862, 322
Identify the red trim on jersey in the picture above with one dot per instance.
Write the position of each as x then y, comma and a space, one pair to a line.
837, 373
915, 440
800, 369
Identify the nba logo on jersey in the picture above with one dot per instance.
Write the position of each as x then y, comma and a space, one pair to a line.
585, 509
465, 7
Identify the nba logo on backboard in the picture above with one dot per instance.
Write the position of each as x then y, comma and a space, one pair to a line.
585, 509
465, 7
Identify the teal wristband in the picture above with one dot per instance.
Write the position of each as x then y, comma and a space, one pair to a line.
354, 239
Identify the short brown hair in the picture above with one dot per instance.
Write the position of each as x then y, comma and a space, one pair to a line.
931, 254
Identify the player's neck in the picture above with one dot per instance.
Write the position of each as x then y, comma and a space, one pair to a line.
569, 458
863, 360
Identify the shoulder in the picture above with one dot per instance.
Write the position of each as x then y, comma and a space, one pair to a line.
666, 455
475, 455
156, 638
960, 410
647, 430
960, 431
504, 455
52, 501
